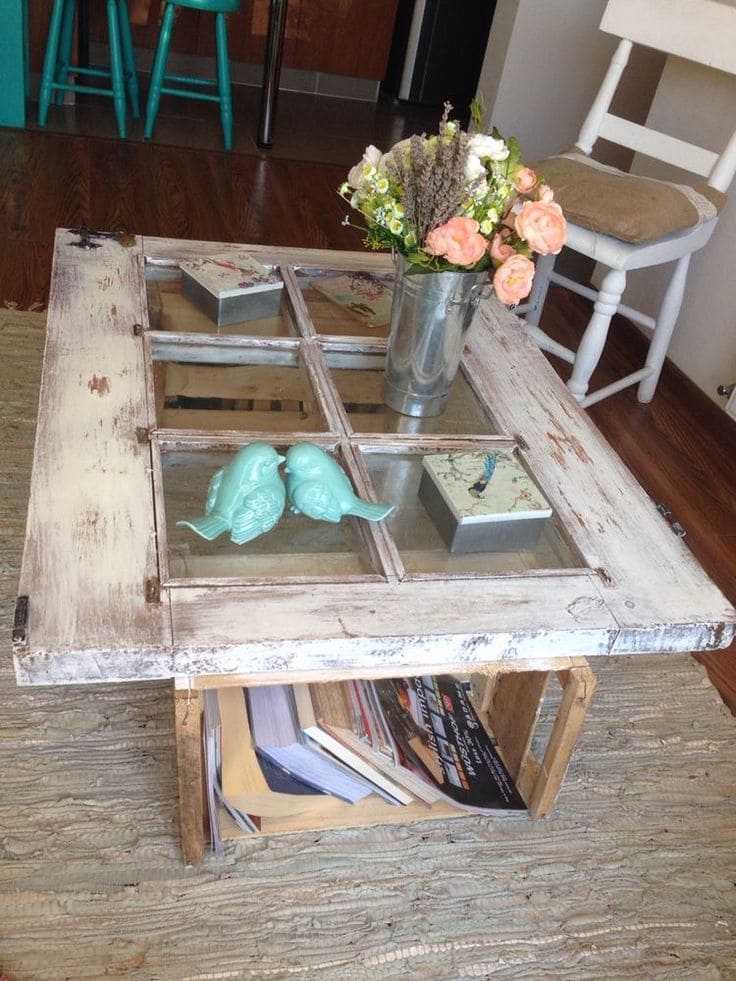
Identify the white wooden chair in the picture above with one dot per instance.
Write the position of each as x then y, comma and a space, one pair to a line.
626, 222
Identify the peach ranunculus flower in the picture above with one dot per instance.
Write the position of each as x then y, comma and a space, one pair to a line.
524, 180
542, 225
512, 281
500, 249
458, 240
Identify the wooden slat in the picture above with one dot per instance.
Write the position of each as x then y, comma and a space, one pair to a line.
277, 421
661, 146
170, 251
90, 543
512, 715
578, 688
700, 30
191, 775
237, 382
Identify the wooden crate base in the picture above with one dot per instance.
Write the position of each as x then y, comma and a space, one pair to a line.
509, 699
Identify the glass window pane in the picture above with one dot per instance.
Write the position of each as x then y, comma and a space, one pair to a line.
296, 547
234, 388
358, 378
347, 304
170, 310
396, 478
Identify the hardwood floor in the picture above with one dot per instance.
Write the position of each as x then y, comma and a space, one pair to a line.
680, 447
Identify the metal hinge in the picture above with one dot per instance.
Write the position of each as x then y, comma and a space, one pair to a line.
20, 620
143, 435
153, 591
677, 528
86, 235
139, 330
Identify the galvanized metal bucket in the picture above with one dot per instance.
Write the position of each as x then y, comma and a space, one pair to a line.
430, 316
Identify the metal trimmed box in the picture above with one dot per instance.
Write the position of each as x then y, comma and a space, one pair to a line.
232, 288
483, 502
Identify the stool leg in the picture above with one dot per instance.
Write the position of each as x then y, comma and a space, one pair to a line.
223, 80
159, 69
64, 58
116, 67
126, 42
49, 61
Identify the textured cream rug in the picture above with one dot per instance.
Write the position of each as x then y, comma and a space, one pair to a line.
632, 877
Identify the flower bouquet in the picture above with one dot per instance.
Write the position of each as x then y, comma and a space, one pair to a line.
459, 212
458, 202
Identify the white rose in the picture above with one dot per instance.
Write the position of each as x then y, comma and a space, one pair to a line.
369, 163
474, 167
373, 156
487, 147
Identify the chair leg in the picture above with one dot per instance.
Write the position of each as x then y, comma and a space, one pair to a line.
126, 42
159, 68
64, 58
223, 80
594, 339
48, 72
665, 328
116, 67
534, 306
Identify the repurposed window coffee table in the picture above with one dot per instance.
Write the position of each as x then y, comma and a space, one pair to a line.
144, 397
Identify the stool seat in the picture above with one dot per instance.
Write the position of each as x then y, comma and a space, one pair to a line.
189, 86
58, 65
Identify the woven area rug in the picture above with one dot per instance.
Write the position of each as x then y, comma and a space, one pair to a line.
632, 876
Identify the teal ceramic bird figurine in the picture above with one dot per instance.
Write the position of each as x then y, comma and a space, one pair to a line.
318, 487
247, 497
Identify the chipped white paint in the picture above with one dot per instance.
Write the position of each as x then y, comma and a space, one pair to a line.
638, 589
90, 544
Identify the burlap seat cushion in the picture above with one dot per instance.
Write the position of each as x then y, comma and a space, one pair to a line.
633, 209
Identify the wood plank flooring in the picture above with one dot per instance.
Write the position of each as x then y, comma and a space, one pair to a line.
681, 447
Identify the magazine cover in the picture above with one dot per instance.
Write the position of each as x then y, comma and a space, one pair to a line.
432, 720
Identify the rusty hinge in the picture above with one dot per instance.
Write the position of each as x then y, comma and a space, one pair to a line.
143, 435
153, 591
139, 330
666, 513
20, 620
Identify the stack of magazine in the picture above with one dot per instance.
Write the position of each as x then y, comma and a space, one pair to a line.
311, 751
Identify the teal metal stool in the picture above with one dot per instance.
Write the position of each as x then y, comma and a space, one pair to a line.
58, 66
188, 86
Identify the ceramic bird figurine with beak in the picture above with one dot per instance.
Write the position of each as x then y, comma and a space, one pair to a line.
319, 488
246, 498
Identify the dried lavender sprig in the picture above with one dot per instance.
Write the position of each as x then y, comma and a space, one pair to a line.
434, 182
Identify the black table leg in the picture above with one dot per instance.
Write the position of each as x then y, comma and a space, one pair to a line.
271, 72
83, 33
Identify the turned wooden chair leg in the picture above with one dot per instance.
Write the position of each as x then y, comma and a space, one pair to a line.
665, 328
594, 339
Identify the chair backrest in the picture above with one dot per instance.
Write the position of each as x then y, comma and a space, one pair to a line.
702, 31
